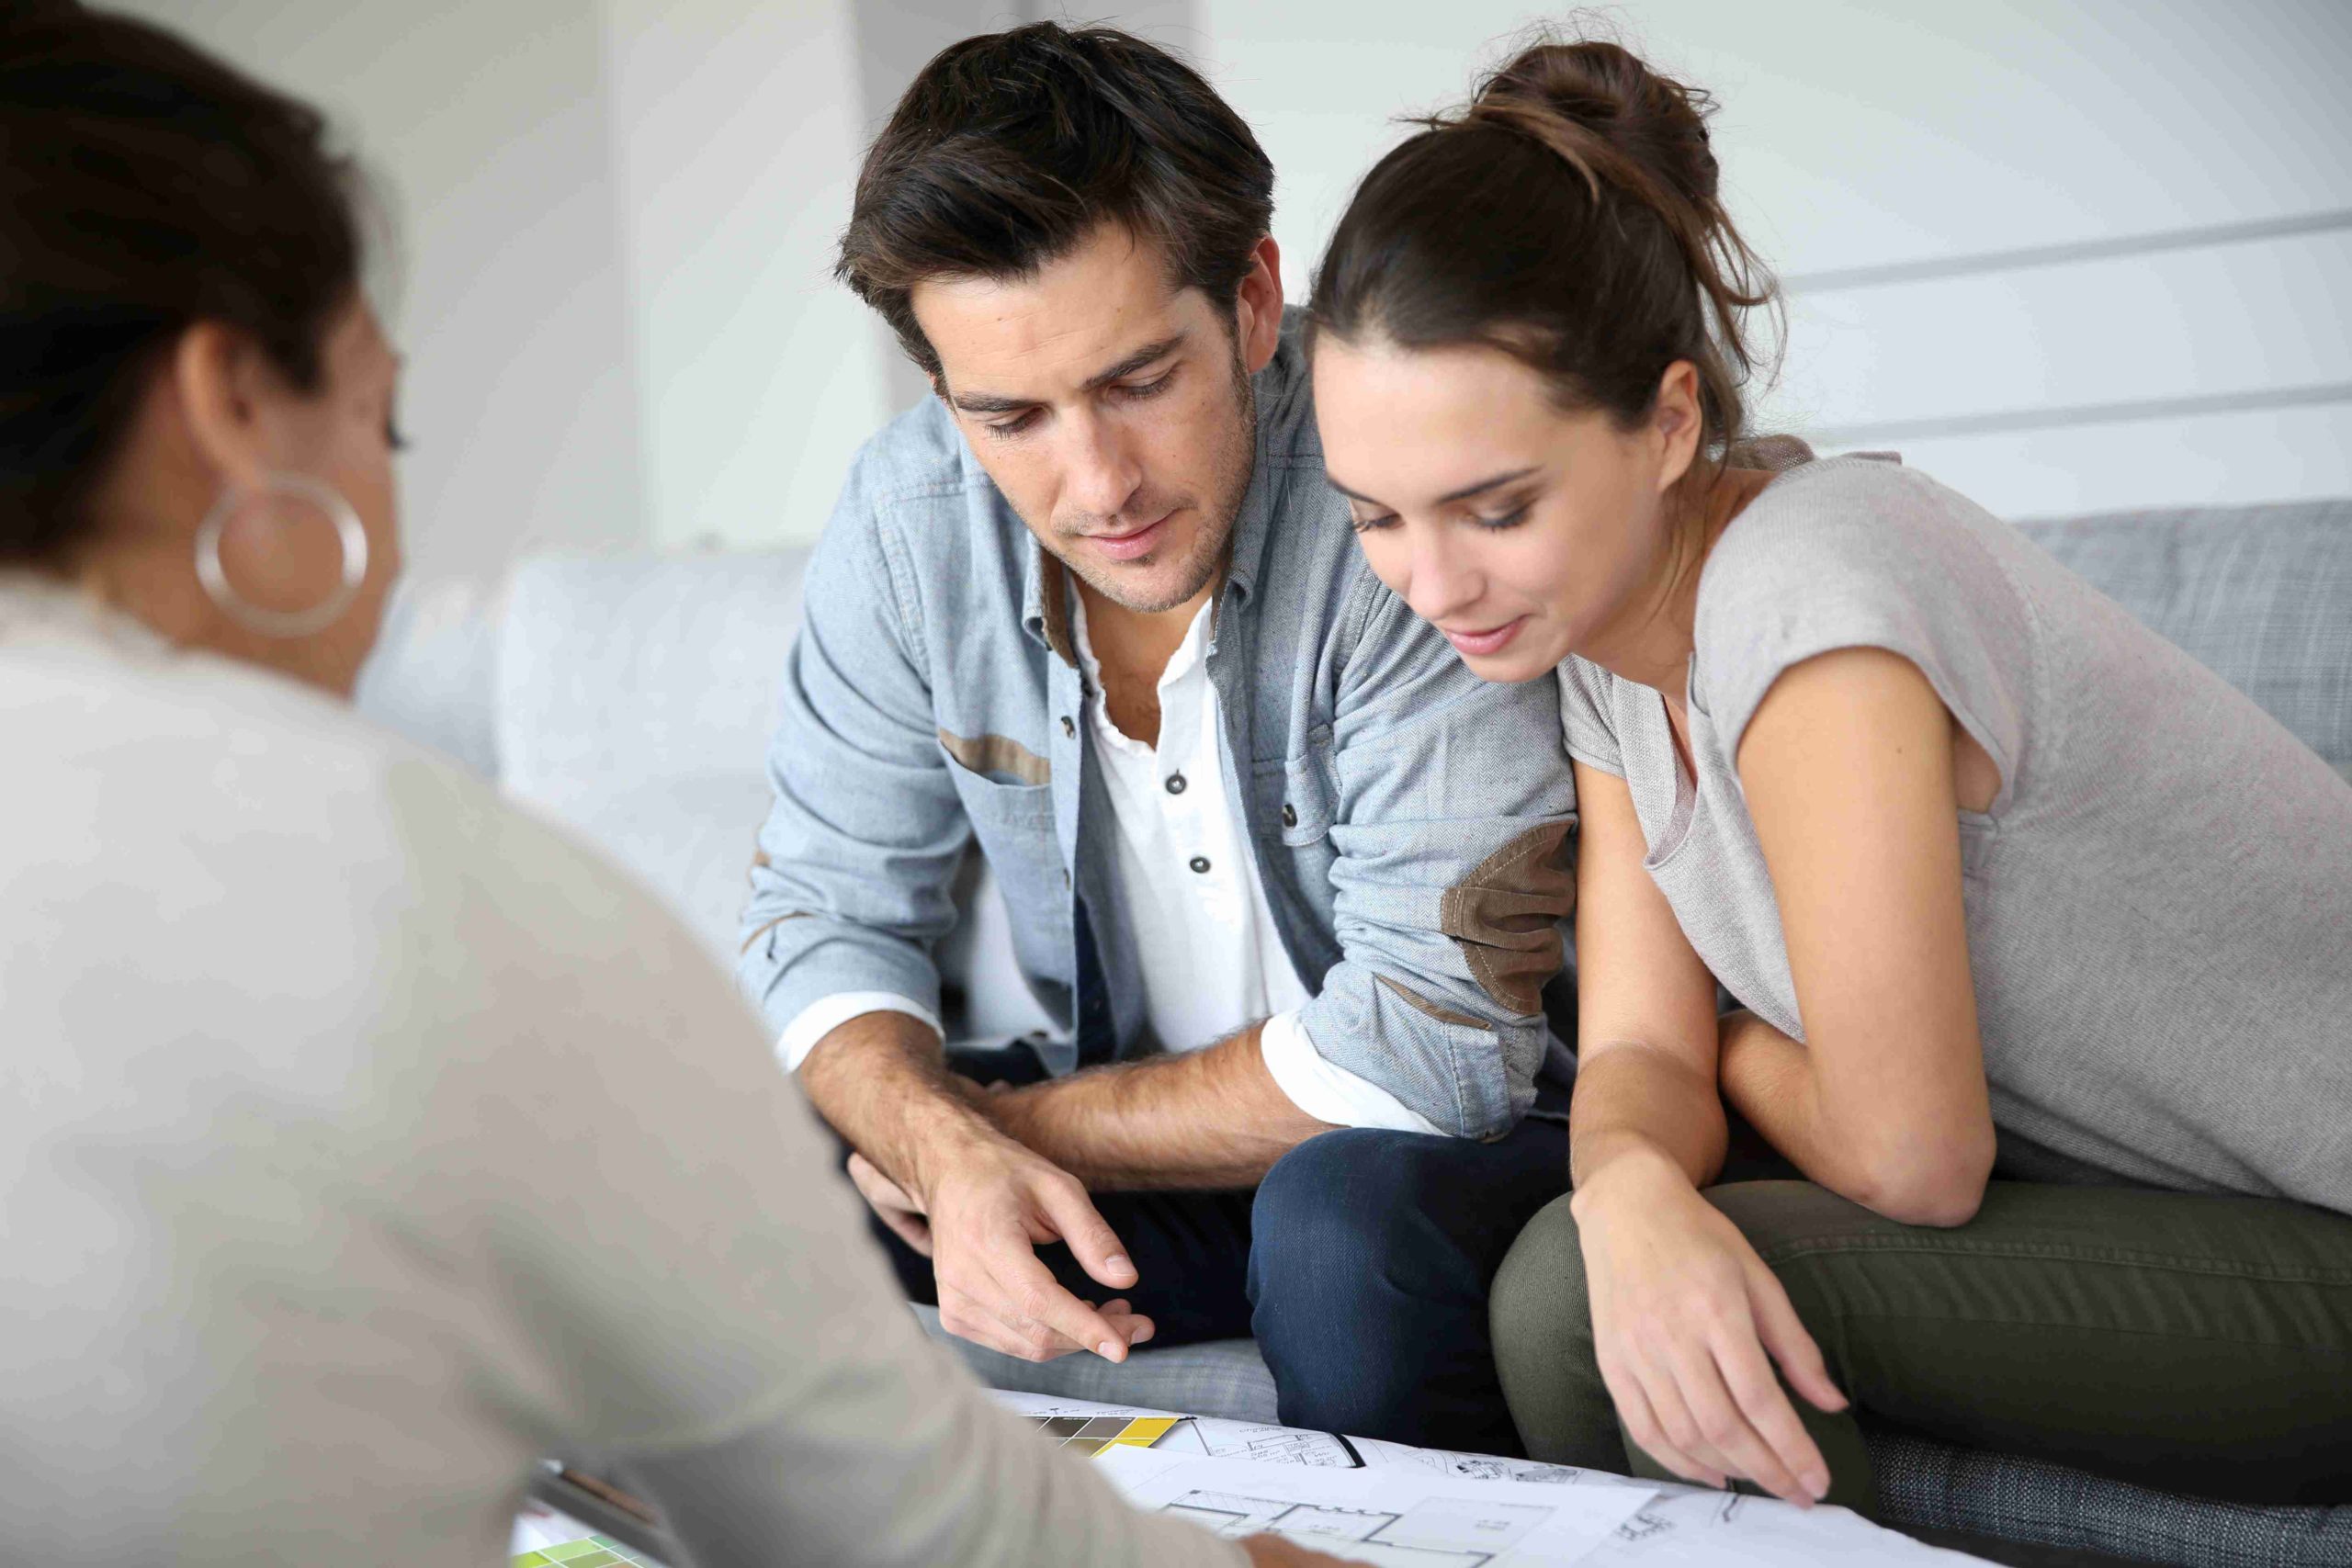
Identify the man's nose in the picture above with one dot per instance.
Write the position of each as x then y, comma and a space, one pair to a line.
1104, 473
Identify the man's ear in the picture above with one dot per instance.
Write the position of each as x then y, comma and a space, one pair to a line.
1258, 306
1676, 422
219, 380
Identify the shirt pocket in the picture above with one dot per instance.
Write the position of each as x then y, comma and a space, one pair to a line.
1015, 825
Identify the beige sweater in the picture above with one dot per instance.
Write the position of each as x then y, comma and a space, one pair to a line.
366, 1140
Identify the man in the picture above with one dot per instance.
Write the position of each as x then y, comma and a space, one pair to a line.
1289, 873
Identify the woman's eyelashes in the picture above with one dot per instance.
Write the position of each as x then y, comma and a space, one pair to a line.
1511, 519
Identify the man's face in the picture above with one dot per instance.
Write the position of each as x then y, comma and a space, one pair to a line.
1112, 409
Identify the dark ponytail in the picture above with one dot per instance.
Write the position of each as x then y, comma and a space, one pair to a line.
1569, 216
143, 187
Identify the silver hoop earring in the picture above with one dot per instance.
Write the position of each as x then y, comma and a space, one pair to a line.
282, 623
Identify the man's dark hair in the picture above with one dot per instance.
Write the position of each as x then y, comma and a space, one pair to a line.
1009, 148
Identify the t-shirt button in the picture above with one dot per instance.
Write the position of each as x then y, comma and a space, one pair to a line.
1175, 783
1201, 865
1065, 877
1290, 814
1069, 729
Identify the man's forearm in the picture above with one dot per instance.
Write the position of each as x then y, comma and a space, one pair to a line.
882, 1081
1207, 1120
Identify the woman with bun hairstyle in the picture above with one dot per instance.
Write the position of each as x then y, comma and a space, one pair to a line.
2040, 934
364, 1139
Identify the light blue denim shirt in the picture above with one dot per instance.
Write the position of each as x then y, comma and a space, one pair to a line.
1411, 822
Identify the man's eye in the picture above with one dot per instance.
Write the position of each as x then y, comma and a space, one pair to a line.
1371, 524
1511, 519
1013, 426
1151, 388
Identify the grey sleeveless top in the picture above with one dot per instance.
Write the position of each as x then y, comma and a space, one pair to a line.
2159, 901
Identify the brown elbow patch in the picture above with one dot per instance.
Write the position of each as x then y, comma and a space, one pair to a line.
1420, 1003
1506, 915
795, 915
998, 754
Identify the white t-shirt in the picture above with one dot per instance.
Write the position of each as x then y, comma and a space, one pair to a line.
366, 1139
1212, 961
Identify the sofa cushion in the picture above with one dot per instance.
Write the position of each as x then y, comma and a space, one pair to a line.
1927, 1485
2261, 596
1223, 1377
614, 671
433, 674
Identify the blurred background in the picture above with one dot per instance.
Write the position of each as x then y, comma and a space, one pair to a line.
2065, 254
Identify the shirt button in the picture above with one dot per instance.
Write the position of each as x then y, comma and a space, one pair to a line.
1065, 878
1175, 783
1290, 814
1069, 730
1201, 865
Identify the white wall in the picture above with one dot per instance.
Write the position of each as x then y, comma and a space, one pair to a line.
616, 219
615, 222
486, 126
736, 130
1856, 136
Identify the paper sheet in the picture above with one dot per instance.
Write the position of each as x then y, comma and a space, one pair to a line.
1690, 1527
546, 1538
1200, 1436
1677, 1526
1391, 1517
1378, 1455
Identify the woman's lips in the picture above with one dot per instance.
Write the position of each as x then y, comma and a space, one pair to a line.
1485, 644
1130, 546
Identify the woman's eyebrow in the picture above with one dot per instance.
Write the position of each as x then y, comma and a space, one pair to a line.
1464, 493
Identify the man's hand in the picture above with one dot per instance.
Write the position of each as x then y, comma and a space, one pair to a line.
987, 1206
890, 1204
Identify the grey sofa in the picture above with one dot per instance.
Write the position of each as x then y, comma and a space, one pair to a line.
630, 696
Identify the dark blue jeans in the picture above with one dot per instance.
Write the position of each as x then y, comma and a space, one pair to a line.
1361, 1265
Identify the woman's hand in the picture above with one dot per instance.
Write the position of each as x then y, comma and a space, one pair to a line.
1684, 1314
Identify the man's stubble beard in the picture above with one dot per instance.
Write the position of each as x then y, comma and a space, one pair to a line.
1235, 465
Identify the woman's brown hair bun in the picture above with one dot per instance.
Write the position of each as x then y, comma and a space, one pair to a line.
1570, 215
1607, 115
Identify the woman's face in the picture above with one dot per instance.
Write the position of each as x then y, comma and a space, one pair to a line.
1522, 533
284, 555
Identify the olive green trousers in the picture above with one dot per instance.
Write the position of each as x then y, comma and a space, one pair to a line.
2196, 1344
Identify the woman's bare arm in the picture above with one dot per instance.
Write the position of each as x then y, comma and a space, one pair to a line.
1850, 775
1684, 1313
1645, 1008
